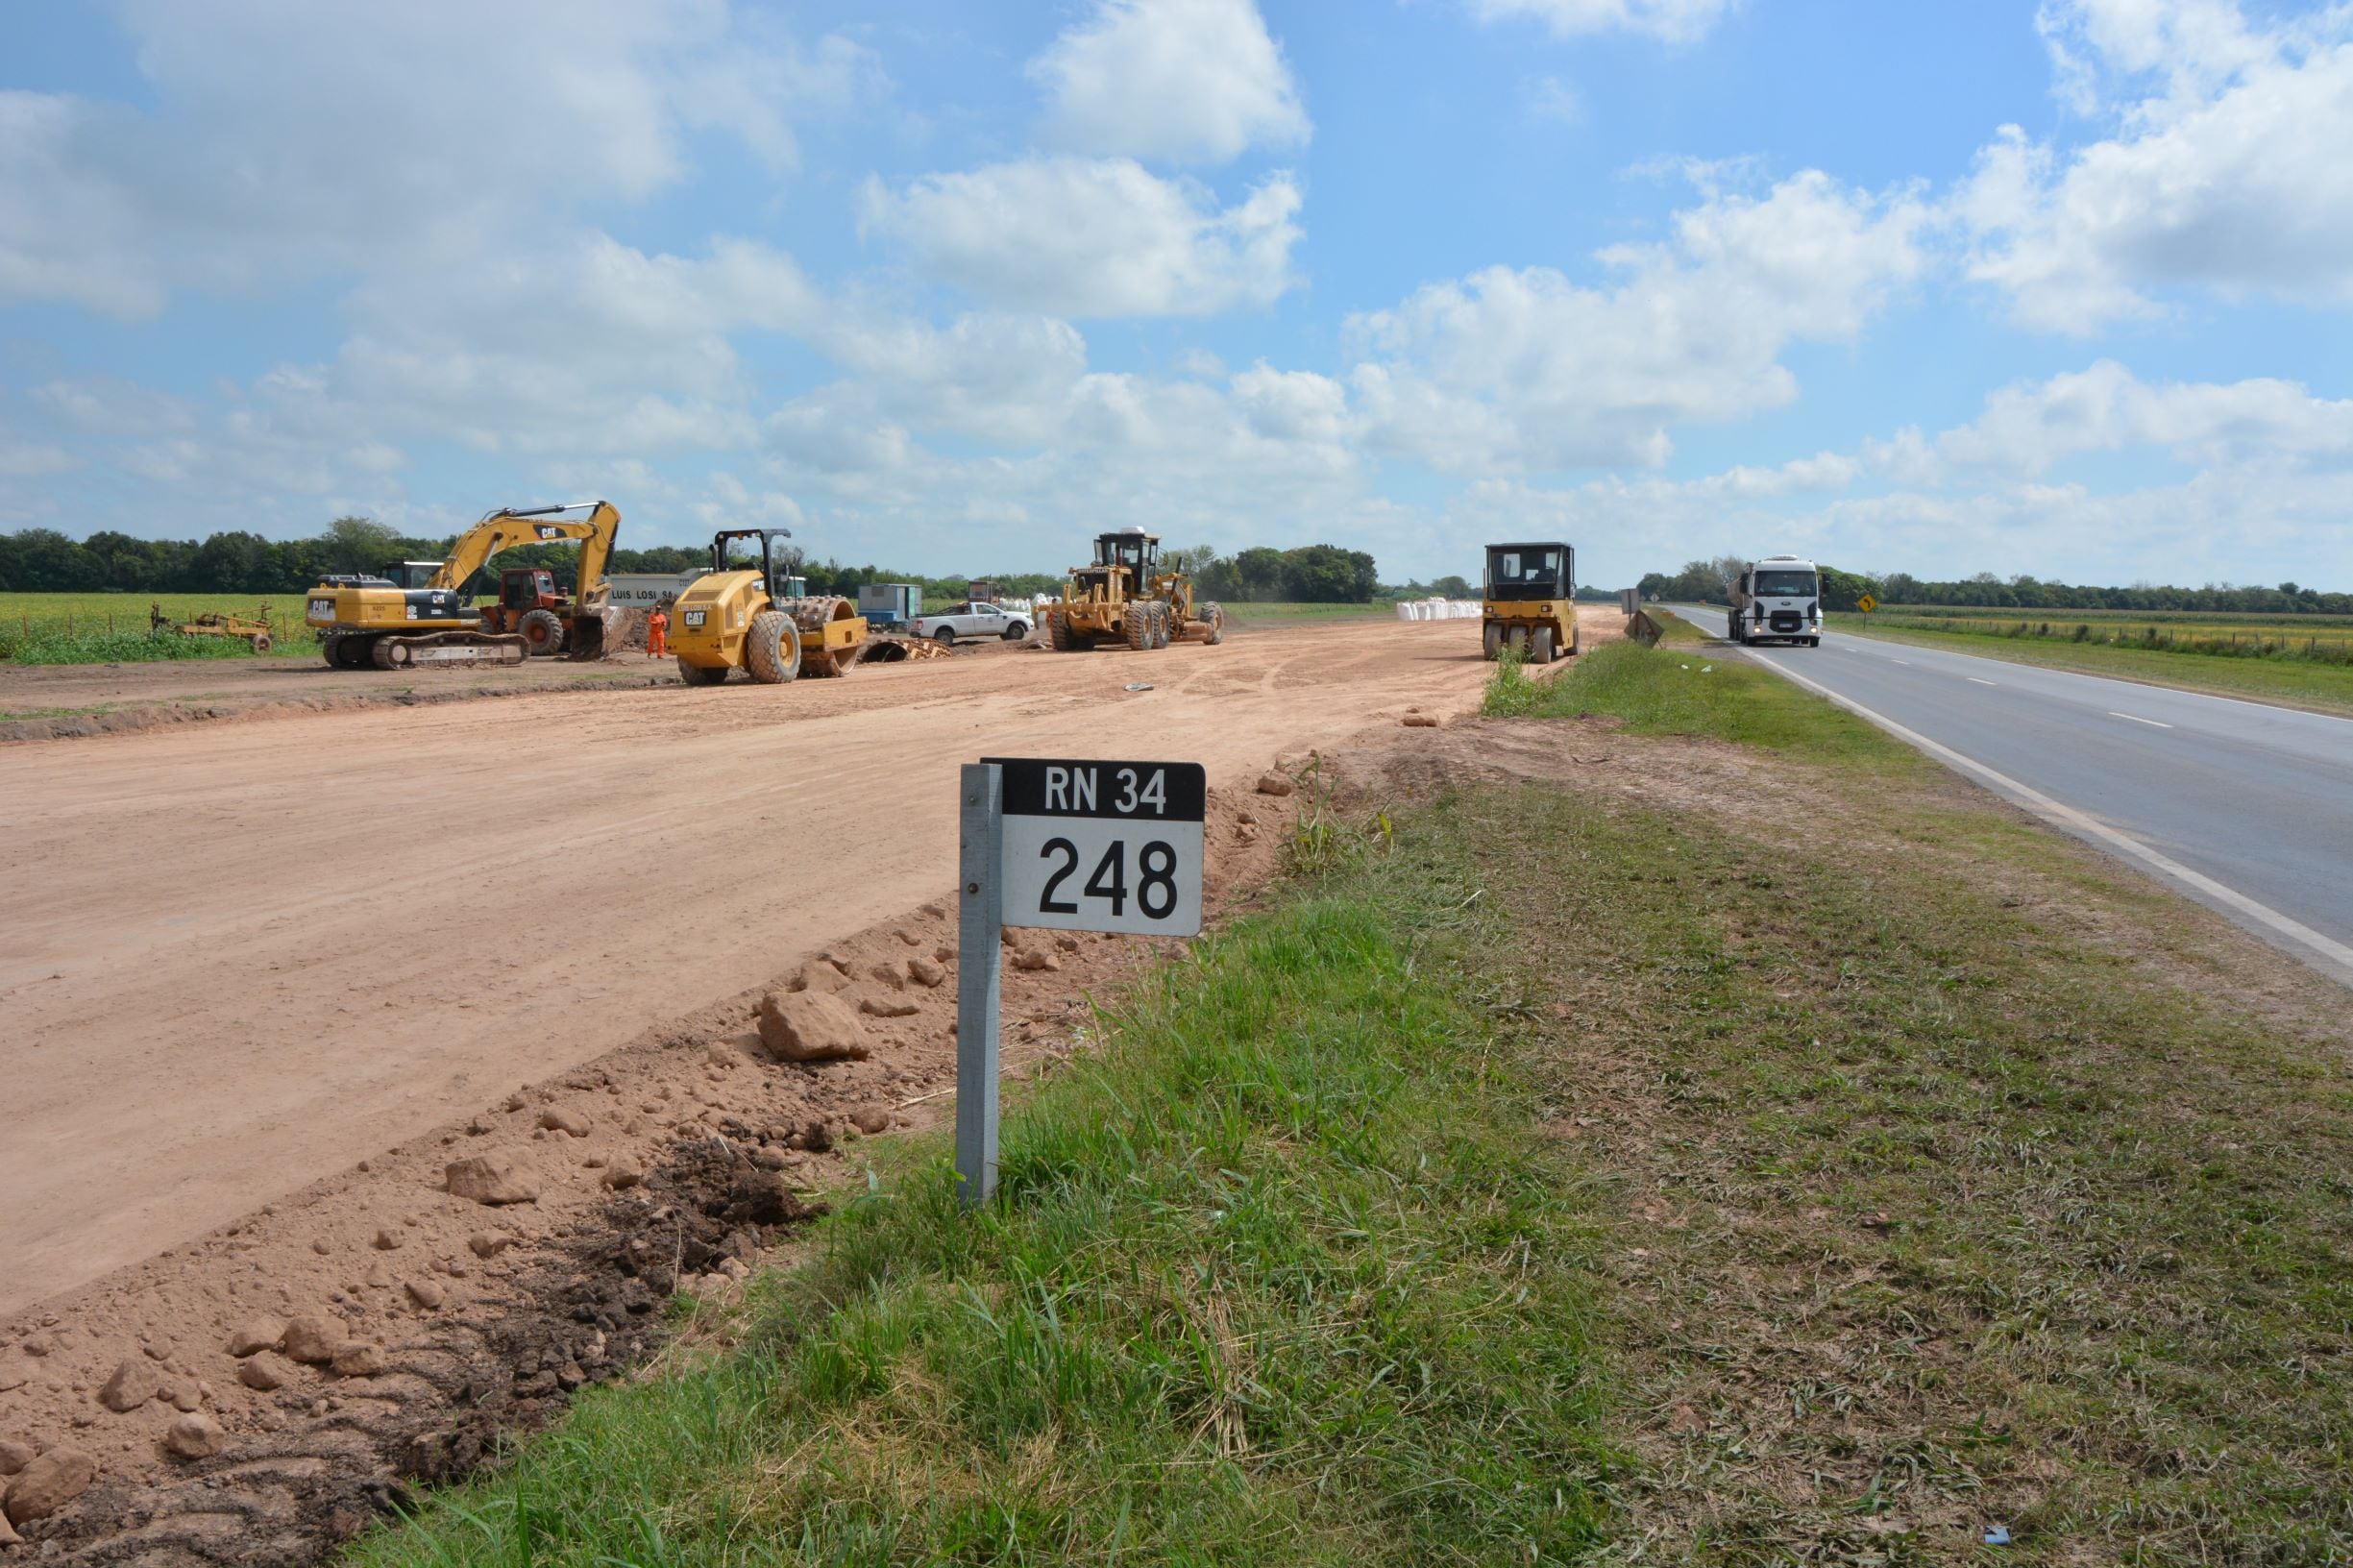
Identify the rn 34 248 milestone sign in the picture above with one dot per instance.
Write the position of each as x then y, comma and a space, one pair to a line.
1075, 845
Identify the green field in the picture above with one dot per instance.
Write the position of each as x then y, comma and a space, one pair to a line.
1548, 1174
1284, 615
2302, 661
102, 629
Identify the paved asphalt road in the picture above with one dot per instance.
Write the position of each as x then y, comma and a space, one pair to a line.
2246, 807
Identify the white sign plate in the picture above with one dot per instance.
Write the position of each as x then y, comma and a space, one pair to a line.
1094, 846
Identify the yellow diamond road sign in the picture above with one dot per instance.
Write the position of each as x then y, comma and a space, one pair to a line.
1866, 604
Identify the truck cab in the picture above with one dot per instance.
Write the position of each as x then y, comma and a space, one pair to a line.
1776, 600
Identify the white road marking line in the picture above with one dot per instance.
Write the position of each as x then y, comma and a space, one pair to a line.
2154, 724
1975, 680
2336, 956
1906, 662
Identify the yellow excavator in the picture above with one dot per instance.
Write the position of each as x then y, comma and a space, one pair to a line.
415, 612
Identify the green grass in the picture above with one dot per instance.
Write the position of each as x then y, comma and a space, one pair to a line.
1280, 615
1555, 1176
1685, 686
1285, 1275
2294, 682
113, 628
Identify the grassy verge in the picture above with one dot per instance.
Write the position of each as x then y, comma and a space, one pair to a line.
1834, 1168
1285, 1274
2295, 683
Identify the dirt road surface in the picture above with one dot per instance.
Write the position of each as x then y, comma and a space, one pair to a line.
242, 956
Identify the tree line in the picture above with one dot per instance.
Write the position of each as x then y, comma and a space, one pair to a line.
1705, 580
43, 560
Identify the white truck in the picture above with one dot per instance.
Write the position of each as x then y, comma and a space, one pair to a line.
1778, 599
975, 618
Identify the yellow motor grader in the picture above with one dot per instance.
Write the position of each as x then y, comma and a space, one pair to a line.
415, 612
759, 618
1123, 597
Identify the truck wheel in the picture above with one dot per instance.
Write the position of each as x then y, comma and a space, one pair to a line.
543, 632
1540, 645
772, 649
945, 636
1014, 631
696, 674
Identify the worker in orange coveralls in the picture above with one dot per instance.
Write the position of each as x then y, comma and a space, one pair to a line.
657, 634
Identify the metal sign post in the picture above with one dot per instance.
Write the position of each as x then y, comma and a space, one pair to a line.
1076, 845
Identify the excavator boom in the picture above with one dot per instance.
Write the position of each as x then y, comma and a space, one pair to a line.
508, 526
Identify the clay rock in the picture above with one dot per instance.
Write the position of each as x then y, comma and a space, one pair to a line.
182, 1394
1064, 941
1033, 960
925, 971
426, 1293
888, 1007
195, 1437
491, 1179
889, 974
15, 1456
570, 1123
387, 1238
488, 1243
1276, 784
811, 1026
261, 1374
48, 1484
1420, 720
621, 1174
872, 1118
310, 1341
818, 978
133, 1384
260, 1335
358, 1358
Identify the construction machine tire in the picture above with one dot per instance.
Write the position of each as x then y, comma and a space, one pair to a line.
771, 648
330, 643
1215, 617
379, 653
1491, 641
262, 641
1136, 623
543, 632
1577, 638
1163, 624
1540, 645
697, 674
1065, 637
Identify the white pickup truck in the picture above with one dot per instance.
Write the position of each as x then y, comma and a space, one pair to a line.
974, 620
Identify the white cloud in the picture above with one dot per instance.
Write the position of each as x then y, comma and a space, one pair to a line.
1082, 238
1677, 21
1526, 369
2028, 429
288, 140
1196, 81
2229, 174
1550, 99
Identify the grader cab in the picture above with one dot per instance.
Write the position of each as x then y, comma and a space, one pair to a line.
1123, 596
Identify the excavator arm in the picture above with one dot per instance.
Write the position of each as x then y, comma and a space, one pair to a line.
508, 526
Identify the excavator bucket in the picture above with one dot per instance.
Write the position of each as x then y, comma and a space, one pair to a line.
592, 630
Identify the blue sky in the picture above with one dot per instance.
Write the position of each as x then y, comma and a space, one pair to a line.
2064, 290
